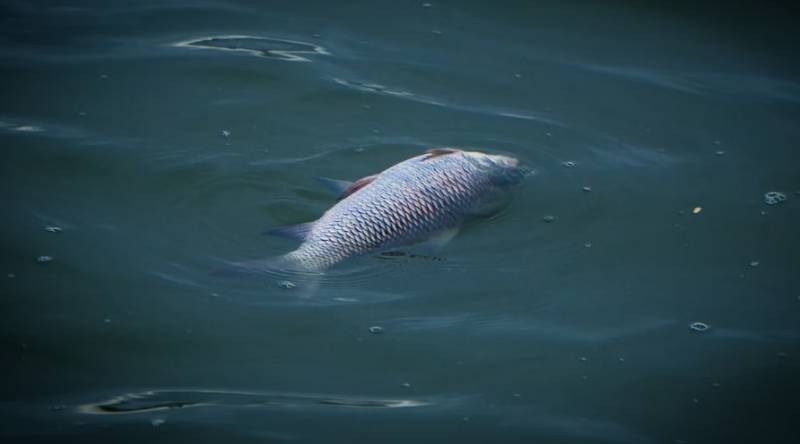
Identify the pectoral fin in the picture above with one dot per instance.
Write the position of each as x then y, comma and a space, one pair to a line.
441, 239
297, 232
344, 188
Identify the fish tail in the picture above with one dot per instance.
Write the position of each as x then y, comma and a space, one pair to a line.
287, 270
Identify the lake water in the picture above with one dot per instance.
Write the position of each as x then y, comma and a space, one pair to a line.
146, 143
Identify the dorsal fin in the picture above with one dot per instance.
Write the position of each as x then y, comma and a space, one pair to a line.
297, 232
436, 152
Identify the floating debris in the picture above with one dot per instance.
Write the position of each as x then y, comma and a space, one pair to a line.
549, 219
587, 189
281, 49
697, 210
44, 259
28, 129
568, 164
52, 229
699, 326
157, 422
755, 263
226, 133
774, 197
288, 285
376, 329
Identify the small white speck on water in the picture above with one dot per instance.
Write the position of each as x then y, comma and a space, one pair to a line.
44, 259
52, 229
215, 295
548, 134
436, 32
376, 329
518, 75
516, 395
587, 245
755, 263
345, 299
226, 133
583, 359
568, 164
359, 150
376, 131
763, 213
549, 219
107, 320
427, 5
82, 113
587, 189
719, 152
621, 359
157, 422
406, 384
699, 326
774, 197
288, 285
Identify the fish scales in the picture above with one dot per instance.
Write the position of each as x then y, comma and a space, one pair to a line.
407, 203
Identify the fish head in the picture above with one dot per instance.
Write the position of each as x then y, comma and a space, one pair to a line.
501, 169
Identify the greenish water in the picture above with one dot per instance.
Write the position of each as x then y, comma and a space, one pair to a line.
158, 140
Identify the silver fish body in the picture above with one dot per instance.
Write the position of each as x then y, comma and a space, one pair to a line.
408, 203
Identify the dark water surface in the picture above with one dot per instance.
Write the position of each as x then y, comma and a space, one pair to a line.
156, 140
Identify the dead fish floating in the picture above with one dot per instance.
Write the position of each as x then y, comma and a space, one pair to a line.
425, 198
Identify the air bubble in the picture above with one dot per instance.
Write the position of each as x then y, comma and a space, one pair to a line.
587, 189
774, 197
549, 218
376, 329
568, 164
699, 326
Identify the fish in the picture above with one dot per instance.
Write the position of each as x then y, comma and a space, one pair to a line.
426, 198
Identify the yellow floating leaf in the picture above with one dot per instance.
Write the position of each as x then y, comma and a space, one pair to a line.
697, 210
